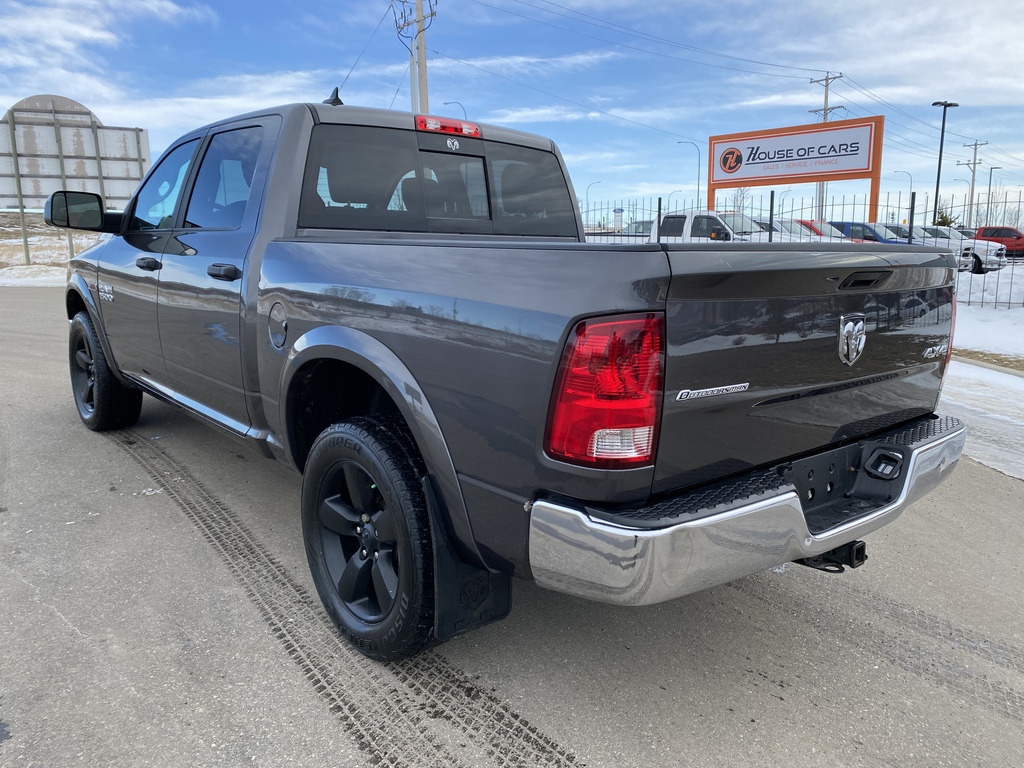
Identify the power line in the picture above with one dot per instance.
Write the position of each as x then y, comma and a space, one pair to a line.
365, 46
612, 26
894, 140
587, 107
637, 48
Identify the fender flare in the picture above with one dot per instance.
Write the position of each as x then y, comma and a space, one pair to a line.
77, 285
372, 357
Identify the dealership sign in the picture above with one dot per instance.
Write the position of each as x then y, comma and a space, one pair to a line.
844, 149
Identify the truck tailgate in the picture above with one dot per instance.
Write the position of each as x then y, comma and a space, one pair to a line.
773, 352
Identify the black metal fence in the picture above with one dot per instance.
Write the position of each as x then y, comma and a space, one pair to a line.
629, 221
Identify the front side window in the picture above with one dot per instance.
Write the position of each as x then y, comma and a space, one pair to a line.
702, 226
158, 197
222, 187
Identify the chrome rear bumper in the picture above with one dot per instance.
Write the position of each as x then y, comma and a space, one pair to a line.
572, 552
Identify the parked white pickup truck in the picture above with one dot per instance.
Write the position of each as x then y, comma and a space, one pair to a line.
700, 227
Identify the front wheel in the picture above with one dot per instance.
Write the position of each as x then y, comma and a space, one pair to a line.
367, 535
103, 402
978, 268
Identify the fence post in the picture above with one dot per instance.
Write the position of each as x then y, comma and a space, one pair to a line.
17, 183
63, 171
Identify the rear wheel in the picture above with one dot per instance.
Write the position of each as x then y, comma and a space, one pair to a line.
103, 402
367, 534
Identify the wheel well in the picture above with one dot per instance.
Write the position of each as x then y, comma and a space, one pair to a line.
74, 303
325, 392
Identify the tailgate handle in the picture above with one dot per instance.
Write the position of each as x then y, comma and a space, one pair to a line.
860, 281
227, 272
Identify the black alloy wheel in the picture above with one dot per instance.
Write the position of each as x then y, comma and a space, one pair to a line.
367, 534
103, 402
83, 374
360, 541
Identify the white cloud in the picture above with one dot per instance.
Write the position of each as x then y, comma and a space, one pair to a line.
66, 34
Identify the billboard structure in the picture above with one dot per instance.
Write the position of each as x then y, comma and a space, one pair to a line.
834, 151
52, 142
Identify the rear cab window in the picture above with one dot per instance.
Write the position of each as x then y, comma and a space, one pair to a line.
389, 179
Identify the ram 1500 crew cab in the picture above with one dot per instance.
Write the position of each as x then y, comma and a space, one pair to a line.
403, 308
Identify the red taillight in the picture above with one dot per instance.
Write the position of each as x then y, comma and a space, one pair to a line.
447, 125
606, 405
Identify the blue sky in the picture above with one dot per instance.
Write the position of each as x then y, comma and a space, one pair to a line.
616, 83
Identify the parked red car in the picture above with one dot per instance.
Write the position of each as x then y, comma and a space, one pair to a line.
1011, 237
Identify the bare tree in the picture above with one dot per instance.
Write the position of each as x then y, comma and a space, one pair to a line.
740, 198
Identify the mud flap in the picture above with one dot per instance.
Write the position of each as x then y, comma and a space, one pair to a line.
465, 597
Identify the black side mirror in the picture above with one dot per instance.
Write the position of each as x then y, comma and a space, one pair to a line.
718, 233
74, 210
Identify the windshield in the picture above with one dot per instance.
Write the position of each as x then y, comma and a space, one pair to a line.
936, 232
790, 226
827, 230
638, 228
886, 231
900, 230
740, 223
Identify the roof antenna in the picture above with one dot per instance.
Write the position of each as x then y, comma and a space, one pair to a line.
334, 100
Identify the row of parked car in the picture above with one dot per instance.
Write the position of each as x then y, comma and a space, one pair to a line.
986, 251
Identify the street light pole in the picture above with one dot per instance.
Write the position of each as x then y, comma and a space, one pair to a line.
942, 138
910, 177
697, 147
670, 197
446, 103
586, 203
988, 197
911, 182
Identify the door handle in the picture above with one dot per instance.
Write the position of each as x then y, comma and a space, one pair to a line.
148, 263
228, 272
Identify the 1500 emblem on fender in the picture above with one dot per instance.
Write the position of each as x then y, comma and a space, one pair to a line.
853, 335
106, 291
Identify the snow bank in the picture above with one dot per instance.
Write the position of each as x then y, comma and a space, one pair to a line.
986, 329
1003, 288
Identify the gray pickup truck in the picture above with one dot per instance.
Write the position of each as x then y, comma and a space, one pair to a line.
403, 308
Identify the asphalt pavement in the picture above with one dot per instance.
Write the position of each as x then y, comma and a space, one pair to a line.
157, 611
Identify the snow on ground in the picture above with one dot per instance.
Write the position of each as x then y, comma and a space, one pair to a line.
33, 274
1003, 288
991, 404
987, 329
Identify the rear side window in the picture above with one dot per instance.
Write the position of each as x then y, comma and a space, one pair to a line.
387, 179
673, 226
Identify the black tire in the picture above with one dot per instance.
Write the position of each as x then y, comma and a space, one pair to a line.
978, 269
103, 402
367, 534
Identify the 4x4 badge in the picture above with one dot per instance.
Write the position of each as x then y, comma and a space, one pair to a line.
853, 335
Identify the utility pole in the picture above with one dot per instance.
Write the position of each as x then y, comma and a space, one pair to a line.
826, 81
973, 165
942, 140
417, 47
